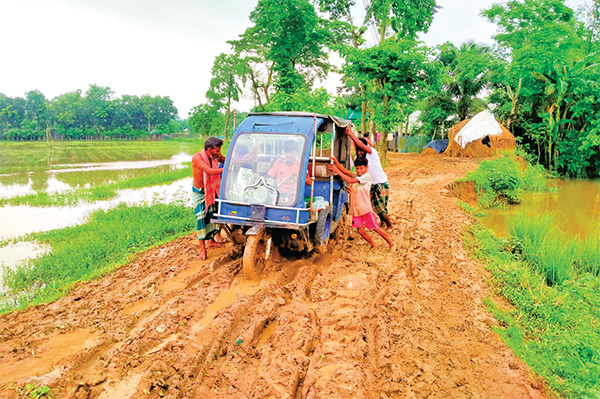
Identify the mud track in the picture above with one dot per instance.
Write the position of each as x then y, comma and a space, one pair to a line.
352, 323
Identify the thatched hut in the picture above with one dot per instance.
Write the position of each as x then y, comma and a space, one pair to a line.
499, 140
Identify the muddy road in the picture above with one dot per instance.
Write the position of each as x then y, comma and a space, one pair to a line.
352, 323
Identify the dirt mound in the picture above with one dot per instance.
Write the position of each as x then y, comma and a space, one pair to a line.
352, 323
429, 151
475, 149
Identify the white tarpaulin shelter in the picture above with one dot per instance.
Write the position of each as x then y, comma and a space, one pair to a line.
483, 124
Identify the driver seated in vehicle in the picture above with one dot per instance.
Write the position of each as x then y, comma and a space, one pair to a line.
285, 172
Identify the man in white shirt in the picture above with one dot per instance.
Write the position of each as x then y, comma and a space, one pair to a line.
380, 188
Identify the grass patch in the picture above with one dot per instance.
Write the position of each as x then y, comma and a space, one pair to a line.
503, 180
88, 251
555, 327
98, 193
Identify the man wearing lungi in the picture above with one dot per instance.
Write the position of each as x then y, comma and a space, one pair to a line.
380, 188
207, 182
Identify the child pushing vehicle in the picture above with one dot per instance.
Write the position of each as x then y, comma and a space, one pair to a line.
360, 191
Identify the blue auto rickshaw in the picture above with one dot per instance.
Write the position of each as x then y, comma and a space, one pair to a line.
266, 198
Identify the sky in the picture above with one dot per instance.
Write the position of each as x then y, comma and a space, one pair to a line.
158, 47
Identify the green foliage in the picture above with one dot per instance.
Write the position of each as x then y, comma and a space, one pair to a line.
547, 91
78, 116
293, 39
32, 391
394, 73
406, 17
318, 100
90, 250
554, 327
497, 181
502, 180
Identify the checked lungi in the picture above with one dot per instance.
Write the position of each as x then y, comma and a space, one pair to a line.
380, 194
204, 228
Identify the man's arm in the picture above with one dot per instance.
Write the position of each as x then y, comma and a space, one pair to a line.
221, 158
204, 167
345, 177
341, 167
358, 143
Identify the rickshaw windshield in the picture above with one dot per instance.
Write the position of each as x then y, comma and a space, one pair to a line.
265, 168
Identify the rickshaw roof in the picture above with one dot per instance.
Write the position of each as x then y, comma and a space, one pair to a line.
286, 122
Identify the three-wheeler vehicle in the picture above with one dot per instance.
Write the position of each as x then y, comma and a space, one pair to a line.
276, 189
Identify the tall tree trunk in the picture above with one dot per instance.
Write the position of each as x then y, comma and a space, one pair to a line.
227, 117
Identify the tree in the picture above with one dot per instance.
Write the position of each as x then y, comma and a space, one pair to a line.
206, 120
550, 71
157, 110
98, 106
395, 74
405, 17
294, 39
224, 87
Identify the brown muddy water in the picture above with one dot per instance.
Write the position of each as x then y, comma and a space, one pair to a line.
575, 205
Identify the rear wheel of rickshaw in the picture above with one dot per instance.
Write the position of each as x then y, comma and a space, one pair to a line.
255, 254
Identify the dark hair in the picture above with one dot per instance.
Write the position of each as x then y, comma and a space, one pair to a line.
364, 141
361, 161
212, 142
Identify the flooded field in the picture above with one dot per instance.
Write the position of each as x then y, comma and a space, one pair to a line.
575, 205
30, 168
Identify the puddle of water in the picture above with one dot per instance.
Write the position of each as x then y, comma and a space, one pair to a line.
576, 208
267, 332
21, 220
329, 370
47, 356
122, 389
15, 254
65, 177
243, 288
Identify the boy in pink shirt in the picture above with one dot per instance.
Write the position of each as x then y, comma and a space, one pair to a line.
360, 191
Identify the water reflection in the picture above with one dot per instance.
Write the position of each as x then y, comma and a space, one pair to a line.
65, 177
575, 206
15, 254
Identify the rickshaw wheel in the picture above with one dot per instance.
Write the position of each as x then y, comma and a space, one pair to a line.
255, 255
323, 230
342, 231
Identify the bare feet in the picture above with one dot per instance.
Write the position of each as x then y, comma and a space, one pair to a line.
214, 244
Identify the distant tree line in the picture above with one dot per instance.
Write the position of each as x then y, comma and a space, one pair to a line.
95, 114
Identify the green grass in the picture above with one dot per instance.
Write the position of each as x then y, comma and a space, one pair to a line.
88, 251
555, 327
97, 193
502, 181
552, 280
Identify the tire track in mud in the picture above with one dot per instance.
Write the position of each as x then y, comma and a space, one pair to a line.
351, 323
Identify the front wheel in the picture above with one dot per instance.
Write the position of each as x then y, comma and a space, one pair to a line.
255, 253
322, 230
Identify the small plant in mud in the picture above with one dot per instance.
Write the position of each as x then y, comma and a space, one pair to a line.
32, 391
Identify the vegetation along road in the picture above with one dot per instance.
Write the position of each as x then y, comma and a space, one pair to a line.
351, 323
